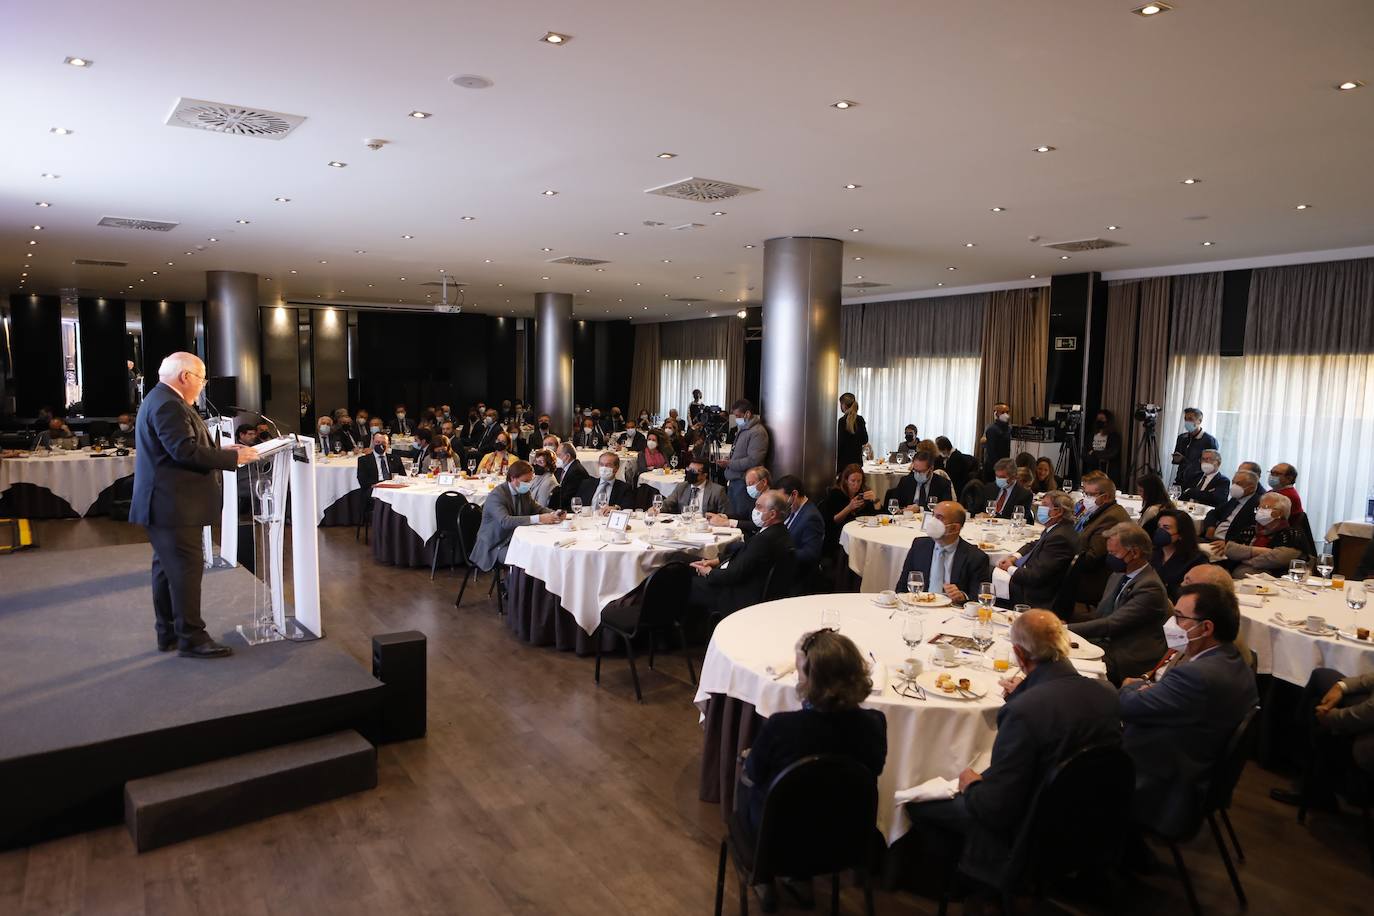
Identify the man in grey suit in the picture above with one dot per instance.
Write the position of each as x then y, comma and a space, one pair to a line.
749, 451
507, 508
1177, 726
1038, 570
176, 494
697, 485
1129, 621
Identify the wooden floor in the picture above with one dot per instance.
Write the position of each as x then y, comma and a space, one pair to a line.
537, 792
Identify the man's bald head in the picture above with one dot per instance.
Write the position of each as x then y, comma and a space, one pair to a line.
1209, 574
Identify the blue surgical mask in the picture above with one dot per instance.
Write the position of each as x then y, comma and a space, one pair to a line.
740, 422
324, 430
1003, 482
1189, 426
524, 486
1274, 481
921, 476
753, 491
1042, 515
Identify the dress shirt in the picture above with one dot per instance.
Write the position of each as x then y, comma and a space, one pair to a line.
941, 558
383, 468
1225, 524
603, 492
1021, 560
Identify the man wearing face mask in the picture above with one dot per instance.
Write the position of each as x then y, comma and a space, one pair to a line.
325, 438
378, 464
721, 589
617, 423
909, 445
922, 485
1235, 518
749, 451
631, 437
122, 432
996, 439
540, 434
951, 565
589, 436
1177, 726
401, 424
499, 458
606, 491
697, 486
807, 528
1130, 615
1282, 479
1039, 567
570, 473
1098, 513
1188, 449
958, 466
491, 430
1272, 545
424, 443
1005, 492
1213, 488
756, 482
506, 508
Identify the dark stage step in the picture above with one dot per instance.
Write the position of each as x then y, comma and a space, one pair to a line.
194, 801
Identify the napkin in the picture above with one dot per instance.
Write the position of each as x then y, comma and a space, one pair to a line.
1094, 667
566, 542
879, 675
936, 789
723, 530
1001, 583
1251, 600
780, 669
696, 538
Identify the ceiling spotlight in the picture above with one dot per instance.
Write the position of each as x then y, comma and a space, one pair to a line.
33, 241
419, 115
1303, 207
951, 268
748, 246
852, 187
282, 200
741, 313
940, 284
242, 222
858, 257
189, 252
1191, 181
667, 261
548, 193
212, 240
1063, 257
60, 131
1208, 244
543, 278
79, 62
622, 233
844, 104
407, 236
359, 251
1349, 84
667, 155
41, 203
398, 278
324, 262
970, 245
49, 175
1152, 9
856, 229
556, 38
998, 209
1032, 276
858, 276
170, 263
154, 273
717, 212
37, 228
1044, 149
487, 261
1113, 228
336, 164
467, 219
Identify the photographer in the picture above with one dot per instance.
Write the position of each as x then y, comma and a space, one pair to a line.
1104, 446
1189, 447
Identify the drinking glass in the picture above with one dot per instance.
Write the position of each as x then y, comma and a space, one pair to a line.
673, 462
930, 504
830, 619
991, 508
575, 505
1018, 515
472, 466
916, 583
1001, 658
894, 508
658, 503
1020, 609
1324, 566
1354, 596
1175, 491
986, 597
913, 630
982, 635
1066, 485
1297, 571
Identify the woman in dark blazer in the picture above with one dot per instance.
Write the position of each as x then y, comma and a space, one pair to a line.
1104, 446
1154, 499
1176, 549
846, 501
853, 433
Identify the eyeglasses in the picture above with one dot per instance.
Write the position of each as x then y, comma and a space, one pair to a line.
1178, 616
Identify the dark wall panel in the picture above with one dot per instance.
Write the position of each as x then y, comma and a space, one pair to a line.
1235, 307
104, 374
753, 356
36, 327
164, 333
281, 369
329, 355
501, 359
584, 363
432, 359
619, 362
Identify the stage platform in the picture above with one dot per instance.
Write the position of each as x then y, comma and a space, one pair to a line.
87, 702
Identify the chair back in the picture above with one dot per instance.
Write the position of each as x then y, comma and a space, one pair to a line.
1226, 772
1068, 587
1300, 523
968, 496
469, 522
1078, 817
446, 509
665, 595
819, 816
778, 582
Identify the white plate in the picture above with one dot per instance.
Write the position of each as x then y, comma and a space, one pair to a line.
1086, 651
939, 601
886, 607
1329, 631
977, 684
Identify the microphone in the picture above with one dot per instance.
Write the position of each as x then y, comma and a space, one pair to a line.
260, 416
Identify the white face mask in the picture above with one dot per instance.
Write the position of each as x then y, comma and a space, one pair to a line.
1209, 467
1237, 491
124, 427
607, 473
1264, 516
933, 527
1175, 636
1004, 417
652, 444
757, 518
561, 463
1089, 503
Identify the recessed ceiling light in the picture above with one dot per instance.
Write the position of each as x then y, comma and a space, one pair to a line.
852, 187
1303, 207
970, 245
1191, 181
844, 104
601, 270
998, 209
1152, 9
951, 268
398, 278
667, 261
1063, 257
748, 246
188, 252
29, 255
1208, 244
33, 241
859, 277
1349, 84
49, 175
60, 131
41, 203
407, 236
336, 164
858, 257
856, 229
487, 261
1032, 276
324, 262
1113, 228
155, 274
718, 213
543, 278
37, 228
468, 219
940, 284
556, 38
212, 240
548, 193
242, 222
360, 251
282, 200
79, 62
293, 270
1044, 149
546, 249
696, 278
622, 233
667, 155
419, 115
170, 263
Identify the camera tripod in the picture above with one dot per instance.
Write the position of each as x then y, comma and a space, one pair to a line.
1069, 463
1147, 451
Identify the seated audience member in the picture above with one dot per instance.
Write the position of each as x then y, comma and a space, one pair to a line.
1005, 492
928, 445
1098, 513
1235, 518
606, 492
246, 434
401, 424
1129, 619
471, 430
363, 420
500, 458
265, 432
617, 421
756, 481
491, 431
1282, 479
1154, 499
545, 483
540, 433
379, 464
655, 455
806, 526
516, 437
697, 486
957, 465
832, 682
1188, 449
1045, 480
1025, 477
722, 589
448, 430
1271, 546
1254, 468
374, 426
551, 442
1050, 714
922, 485
1177, 726
631, 437
506, 508
441, 459
909, 446
590, 435
571, 474
344, 431
123, 430
505, 409
58, 429
1336, 716
1038, 570
424, 445
1104, 446
326, 440
847, 500
1176, 549
950, 565
1213, 487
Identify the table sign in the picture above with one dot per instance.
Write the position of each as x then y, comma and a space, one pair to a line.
445, 480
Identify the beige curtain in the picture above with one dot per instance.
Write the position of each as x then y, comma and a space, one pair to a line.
644, 370
705, 338
1135, 358
1016, 338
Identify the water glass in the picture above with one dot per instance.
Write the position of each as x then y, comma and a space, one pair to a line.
830, 619
673, 461
916, 583
986, 597
913, 630
1175, 491
894, 508
991, 508
1324, 566
1066, 485
1020, 609
1355, 596
575, 505
1018, 515
982, 635
1297, 571
1001, 658
472, 466
930, 504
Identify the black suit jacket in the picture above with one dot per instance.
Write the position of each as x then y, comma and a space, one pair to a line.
589, 438
569, 485
621, 495
741, 582
1048, 558
1191, 448
1242, 527
937, 487
367, 469
176, 483
960, 468
1216, 492
1019, 496
970, 567
402, 426
486, 438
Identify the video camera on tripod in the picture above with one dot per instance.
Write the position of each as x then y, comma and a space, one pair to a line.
714, 422
1147, 450
1147, 414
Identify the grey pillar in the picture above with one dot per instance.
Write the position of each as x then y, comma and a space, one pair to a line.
233, 344
554, 356
800, 384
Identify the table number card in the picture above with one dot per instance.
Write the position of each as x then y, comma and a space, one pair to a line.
618, 521
445, 480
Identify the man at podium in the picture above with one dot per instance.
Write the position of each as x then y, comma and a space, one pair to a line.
176, 494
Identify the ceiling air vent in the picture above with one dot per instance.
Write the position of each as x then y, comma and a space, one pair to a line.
687, 300
441, 284
864, 284
93, 262
701, 190
222, 118
124, 222
1083, 245
689, 227
576, 261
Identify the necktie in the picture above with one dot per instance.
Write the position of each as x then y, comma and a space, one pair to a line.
603, 492
921, 495
1120, 587
1002, 500
383, 471
937, 570
691, 495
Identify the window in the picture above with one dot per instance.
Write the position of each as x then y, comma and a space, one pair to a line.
71, 363
938, 394
677, 378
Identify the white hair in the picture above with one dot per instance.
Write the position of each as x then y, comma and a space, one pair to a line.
1279, 502
177, 363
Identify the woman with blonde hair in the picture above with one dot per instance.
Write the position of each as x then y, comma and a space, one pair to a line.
853, 433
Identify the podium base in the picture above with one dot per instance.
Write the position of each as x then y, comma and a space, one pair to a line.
264, 631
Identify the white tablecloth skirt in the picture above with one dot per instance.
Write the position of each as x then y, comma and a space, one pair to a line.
415, 501
1290, 654
877, 554
335, 478
883, 477
78, 476
664, 483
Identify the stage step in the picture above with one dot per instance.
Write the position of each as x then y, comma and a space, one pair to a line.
181, 804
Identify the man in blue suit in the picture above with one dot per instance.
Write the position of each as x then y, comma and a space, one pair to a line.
951, 565
1177, 725
807, 528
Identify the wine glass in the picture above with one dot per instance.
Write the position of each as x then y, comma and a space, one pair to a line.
1297, 571
894, 508
986, 597
673, 461
1066, 485
472, 466
913, 630
575, 505
982, 635
1175, 491
1355, 596
916, 583
991, 508
1324, 566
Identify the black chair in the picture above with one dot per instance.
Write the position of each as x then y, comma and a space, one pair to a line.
1358, 789
1215, 800
1064, 598
1300, 523
447, 507
662, 606
818, 818
1074, 823
364, 525
469, 521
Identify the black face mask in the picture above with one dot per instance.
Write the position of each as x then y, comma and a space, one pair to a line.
691, 475
911, 437
540, 469
543, 427
500, 446
472, 418
1101, 424
379, 449
440, 453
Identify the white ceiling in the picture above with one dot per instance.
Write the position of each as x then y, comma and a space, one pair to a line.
954, 97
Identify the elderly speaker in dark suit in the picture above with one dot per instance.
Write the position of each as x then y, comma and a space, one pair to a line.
177, 492
508, 507
922, 485
1129, 620
951, 565
1039, 568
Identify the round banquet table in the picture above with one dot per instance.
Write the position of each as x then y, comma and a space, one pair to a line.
560, 581
665, 482
925, 738
590, 456
403, 523
336, 491
1271, 626
876, 554
883, 477
63, 484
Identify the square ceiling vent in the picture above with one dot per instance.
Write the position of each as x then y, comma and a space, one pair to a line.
224, 118
1083, 245
127, 222
701, 190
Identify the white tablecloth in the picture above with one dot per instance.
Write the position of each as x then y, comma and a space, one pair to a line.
590, 456
1350, 529
77, 476
877, 554
883, 477
663, 482
335, 478
416, 500
1290, 654
591, 573
925, 738
1132, 505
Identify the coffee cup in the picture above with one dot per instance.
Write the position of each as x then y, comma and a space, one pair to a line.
947, 654
1316, 622
912, 668
887, 598
970, 610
